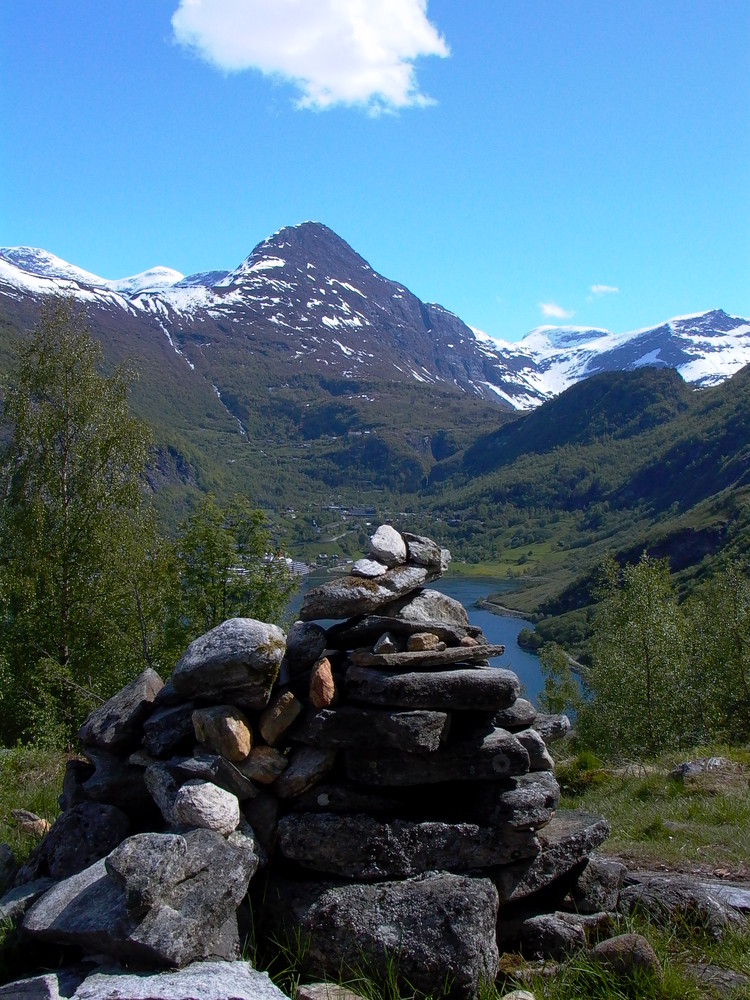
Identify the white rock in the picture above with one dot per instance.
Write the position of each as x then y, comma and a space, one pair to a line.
205, 805
368, 568
199, 981
387, 546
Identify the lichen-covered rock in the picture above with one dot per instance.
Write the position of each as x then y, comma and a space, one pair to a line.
539, 758
440, 928
665, 899
361, 847
158, 899
236, 662
566, 842
597, 888
354, 595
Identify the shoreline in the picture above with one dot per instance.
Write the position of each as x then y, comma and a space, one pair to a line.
499, 609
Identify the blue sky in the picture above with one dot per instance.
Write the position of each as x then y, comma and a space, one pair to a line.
500, 157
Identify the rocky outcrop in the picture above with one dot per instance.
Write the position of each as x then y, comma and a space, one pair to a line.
380, 769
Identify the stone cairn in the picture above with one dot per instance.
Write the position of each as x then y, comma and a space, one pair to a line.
374, 788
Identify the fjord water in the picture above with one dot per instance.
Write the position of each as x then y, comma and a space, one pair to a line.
499, 629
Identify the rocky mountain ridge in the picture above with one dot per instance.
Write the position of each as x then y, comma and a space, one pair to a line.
307, 301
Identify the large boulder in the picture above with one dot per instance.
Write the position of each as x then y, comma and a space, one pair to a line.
161, 899
437, 930
236, 662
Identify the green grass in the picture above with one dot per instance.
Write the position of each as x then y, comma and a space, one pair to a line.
29, 779
703, 826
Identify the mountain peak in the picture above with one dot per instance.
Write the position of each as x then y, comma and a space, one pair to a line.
299, 248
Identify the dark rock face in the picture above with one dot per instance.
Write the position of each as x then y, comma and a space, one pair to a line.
117, 724
444, 690
78, 838
236, 662
349, 727
497, 755
360, 847
440, 927
566, 842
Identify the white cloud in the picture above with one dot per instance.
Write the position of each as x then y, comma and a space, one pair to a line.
550, 310
335, 51
604, 290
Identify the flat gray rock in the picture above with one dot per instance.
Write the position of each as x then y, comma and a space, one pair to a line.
236, 662
350, 727
439, 927
439, 690
306, 767
51, 986
529, 805
17, 901
665, 899
199, 981
370, 569
566, 843
424, 658
493, 756
367, 629
211, 767
361, 847
116, 725
352, 595
551, 727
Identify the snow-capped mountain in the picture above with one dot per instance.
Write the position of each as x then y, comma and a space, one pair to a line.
304, 300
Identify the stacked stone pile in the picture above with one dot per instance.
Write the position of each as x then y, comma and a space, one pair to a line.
386, 781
